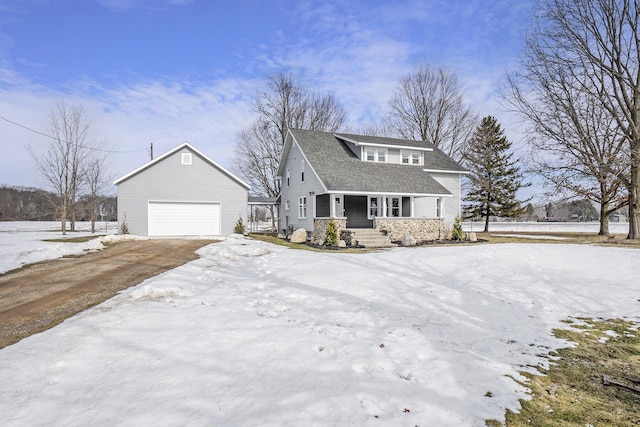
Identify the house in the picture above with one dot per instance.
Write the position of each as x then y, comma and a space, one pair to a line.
397, 187
181, 193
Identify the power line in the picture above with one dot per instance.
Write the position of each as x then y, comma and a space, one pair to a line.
58, 139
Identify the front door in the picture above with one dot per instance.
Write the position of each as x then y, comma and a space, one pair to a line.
356, 209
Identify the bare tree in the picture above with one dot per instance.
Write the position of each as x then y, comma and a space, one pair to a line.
594, 45
575, 144
285, 103
257, 153
62, 165
428, 105
96, 180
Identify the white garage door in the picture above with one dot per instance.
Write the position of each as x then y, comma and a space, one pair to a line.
184, 219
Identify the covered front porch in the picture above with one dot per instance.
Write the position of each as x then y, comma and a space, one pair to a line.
395, 216
361, 210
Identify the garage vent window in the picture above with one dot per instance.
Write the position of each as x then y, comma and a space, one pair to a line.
186, 159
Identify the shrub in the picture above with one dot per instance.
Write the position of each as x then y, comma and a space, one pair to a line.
457, 233
124, 227
239, 228
331, 236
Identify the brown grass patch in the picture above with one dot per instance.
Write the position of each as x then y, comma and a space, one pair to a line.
572, 392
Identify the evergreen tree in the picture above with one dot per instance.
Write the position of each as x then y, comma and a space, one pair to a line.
331, 237
494, 177
457, 233
239, 228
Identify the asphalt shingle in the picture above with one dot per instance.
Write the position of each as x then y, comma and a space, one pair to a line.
341, 170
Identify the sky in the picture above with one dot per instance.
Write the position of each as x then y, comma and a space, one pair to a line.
256, 334
169, 71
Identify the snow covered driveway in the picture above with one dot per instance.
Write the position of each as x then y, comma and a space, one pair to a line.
256, 334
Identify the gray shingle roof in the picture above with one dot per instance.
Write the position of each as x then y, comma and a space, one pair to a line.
341, 170
434, 160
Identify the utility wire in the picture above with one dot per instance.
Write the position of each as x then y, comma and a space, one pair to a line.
58, 139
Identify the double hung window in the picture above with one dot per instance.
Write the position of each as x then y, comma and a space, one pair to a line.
375, 154
394, 206
410, 157
374, 207
302, 207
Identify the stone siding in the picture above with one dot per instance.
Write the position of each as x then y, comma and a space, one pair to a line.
320, 228
422, 229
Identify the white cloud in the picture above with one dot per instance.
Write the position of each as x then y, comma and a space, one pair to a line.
128, 118
357, 52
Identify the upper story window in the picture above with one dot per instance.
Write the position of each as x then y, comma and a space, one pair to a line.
288, 177
375, 154
302, 170
187, 159
410, 157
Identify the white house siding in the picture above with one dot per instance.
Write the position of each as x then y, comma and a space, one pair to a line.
296, 189
450, 181
425, 207
171, 181
394, 156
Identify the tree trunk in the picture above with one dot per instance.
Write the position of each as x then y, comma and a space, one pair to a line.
486, 218
92, 216
63, 218
634, 193
604, 219
604, 209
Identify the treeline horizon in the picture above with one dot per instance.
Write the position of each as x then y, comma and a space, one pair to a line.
25, 203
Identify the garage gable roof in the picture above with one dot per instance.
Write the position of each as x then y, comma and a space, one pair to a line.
175, 150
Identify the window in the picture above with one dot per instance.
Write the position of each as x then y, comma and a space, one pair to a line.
374, 207
394, 206
302, 170
375, 154
186, 159
410, 157
439, 208
370, 155
382, 155
302, 207
287, 205
288, 176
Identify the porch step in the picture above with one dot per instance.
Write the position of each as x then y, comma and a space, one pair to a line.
370, 238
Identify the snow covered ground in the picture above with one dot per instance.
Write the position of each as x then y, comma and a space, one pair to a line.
253, 334
546, 227
23, 242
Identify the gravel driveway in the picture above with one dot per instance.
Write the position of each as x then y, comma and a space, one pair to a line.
40, 296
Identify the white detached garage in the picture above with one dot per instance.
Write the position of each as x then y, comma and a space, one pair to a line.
181, 193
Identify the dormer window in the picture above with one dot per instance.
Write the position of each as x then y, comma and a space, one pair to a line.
375, 154
410, 157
